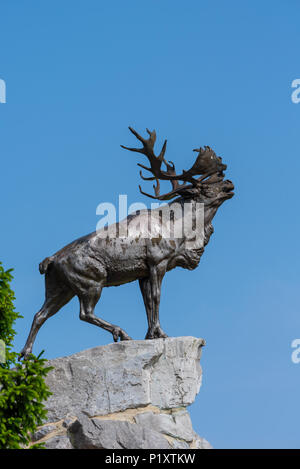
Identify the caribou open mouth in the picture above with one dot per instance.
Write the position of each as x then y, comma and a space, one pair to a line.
228, 189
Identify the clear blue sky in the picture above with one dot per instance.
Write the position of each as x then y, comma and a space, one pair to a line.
202, 73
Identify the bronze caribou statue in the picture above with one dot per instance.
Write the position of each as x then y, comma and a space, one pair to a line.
98, 260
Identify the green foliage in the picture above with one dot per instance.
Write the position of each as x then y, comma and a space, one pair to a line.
22, 386
8, 315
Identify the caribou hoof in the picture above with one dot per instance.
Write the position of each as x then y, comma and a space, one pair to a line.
119, 333
156, 333
24, 354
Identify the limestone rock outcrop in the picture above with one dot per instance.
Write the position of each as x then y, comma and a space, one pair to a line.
130, 394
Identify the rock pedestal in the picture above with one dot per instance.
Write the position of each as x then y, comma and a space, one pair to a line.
125, 395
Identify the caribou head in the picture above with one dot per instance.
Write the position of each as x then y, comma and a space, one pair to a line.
204, 181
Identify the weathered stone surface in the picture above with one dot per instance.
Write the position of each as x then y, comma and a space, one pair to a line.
162, 372
43, 431
126, 395
201, 443
176, 425
92, 433
58, 442
179, 444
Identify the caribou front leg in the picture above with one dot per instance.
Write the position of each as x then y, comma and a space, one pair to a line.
151, 289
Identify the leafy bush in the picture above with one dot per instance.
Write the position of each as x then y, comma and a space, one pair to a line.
22, 386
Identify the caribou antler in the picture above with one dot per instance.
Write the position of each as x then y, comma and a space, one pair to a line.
155, 165
206, 164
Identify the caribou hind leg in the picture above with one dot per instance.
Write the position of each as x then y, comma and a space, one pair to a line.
53, 303
88, 301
